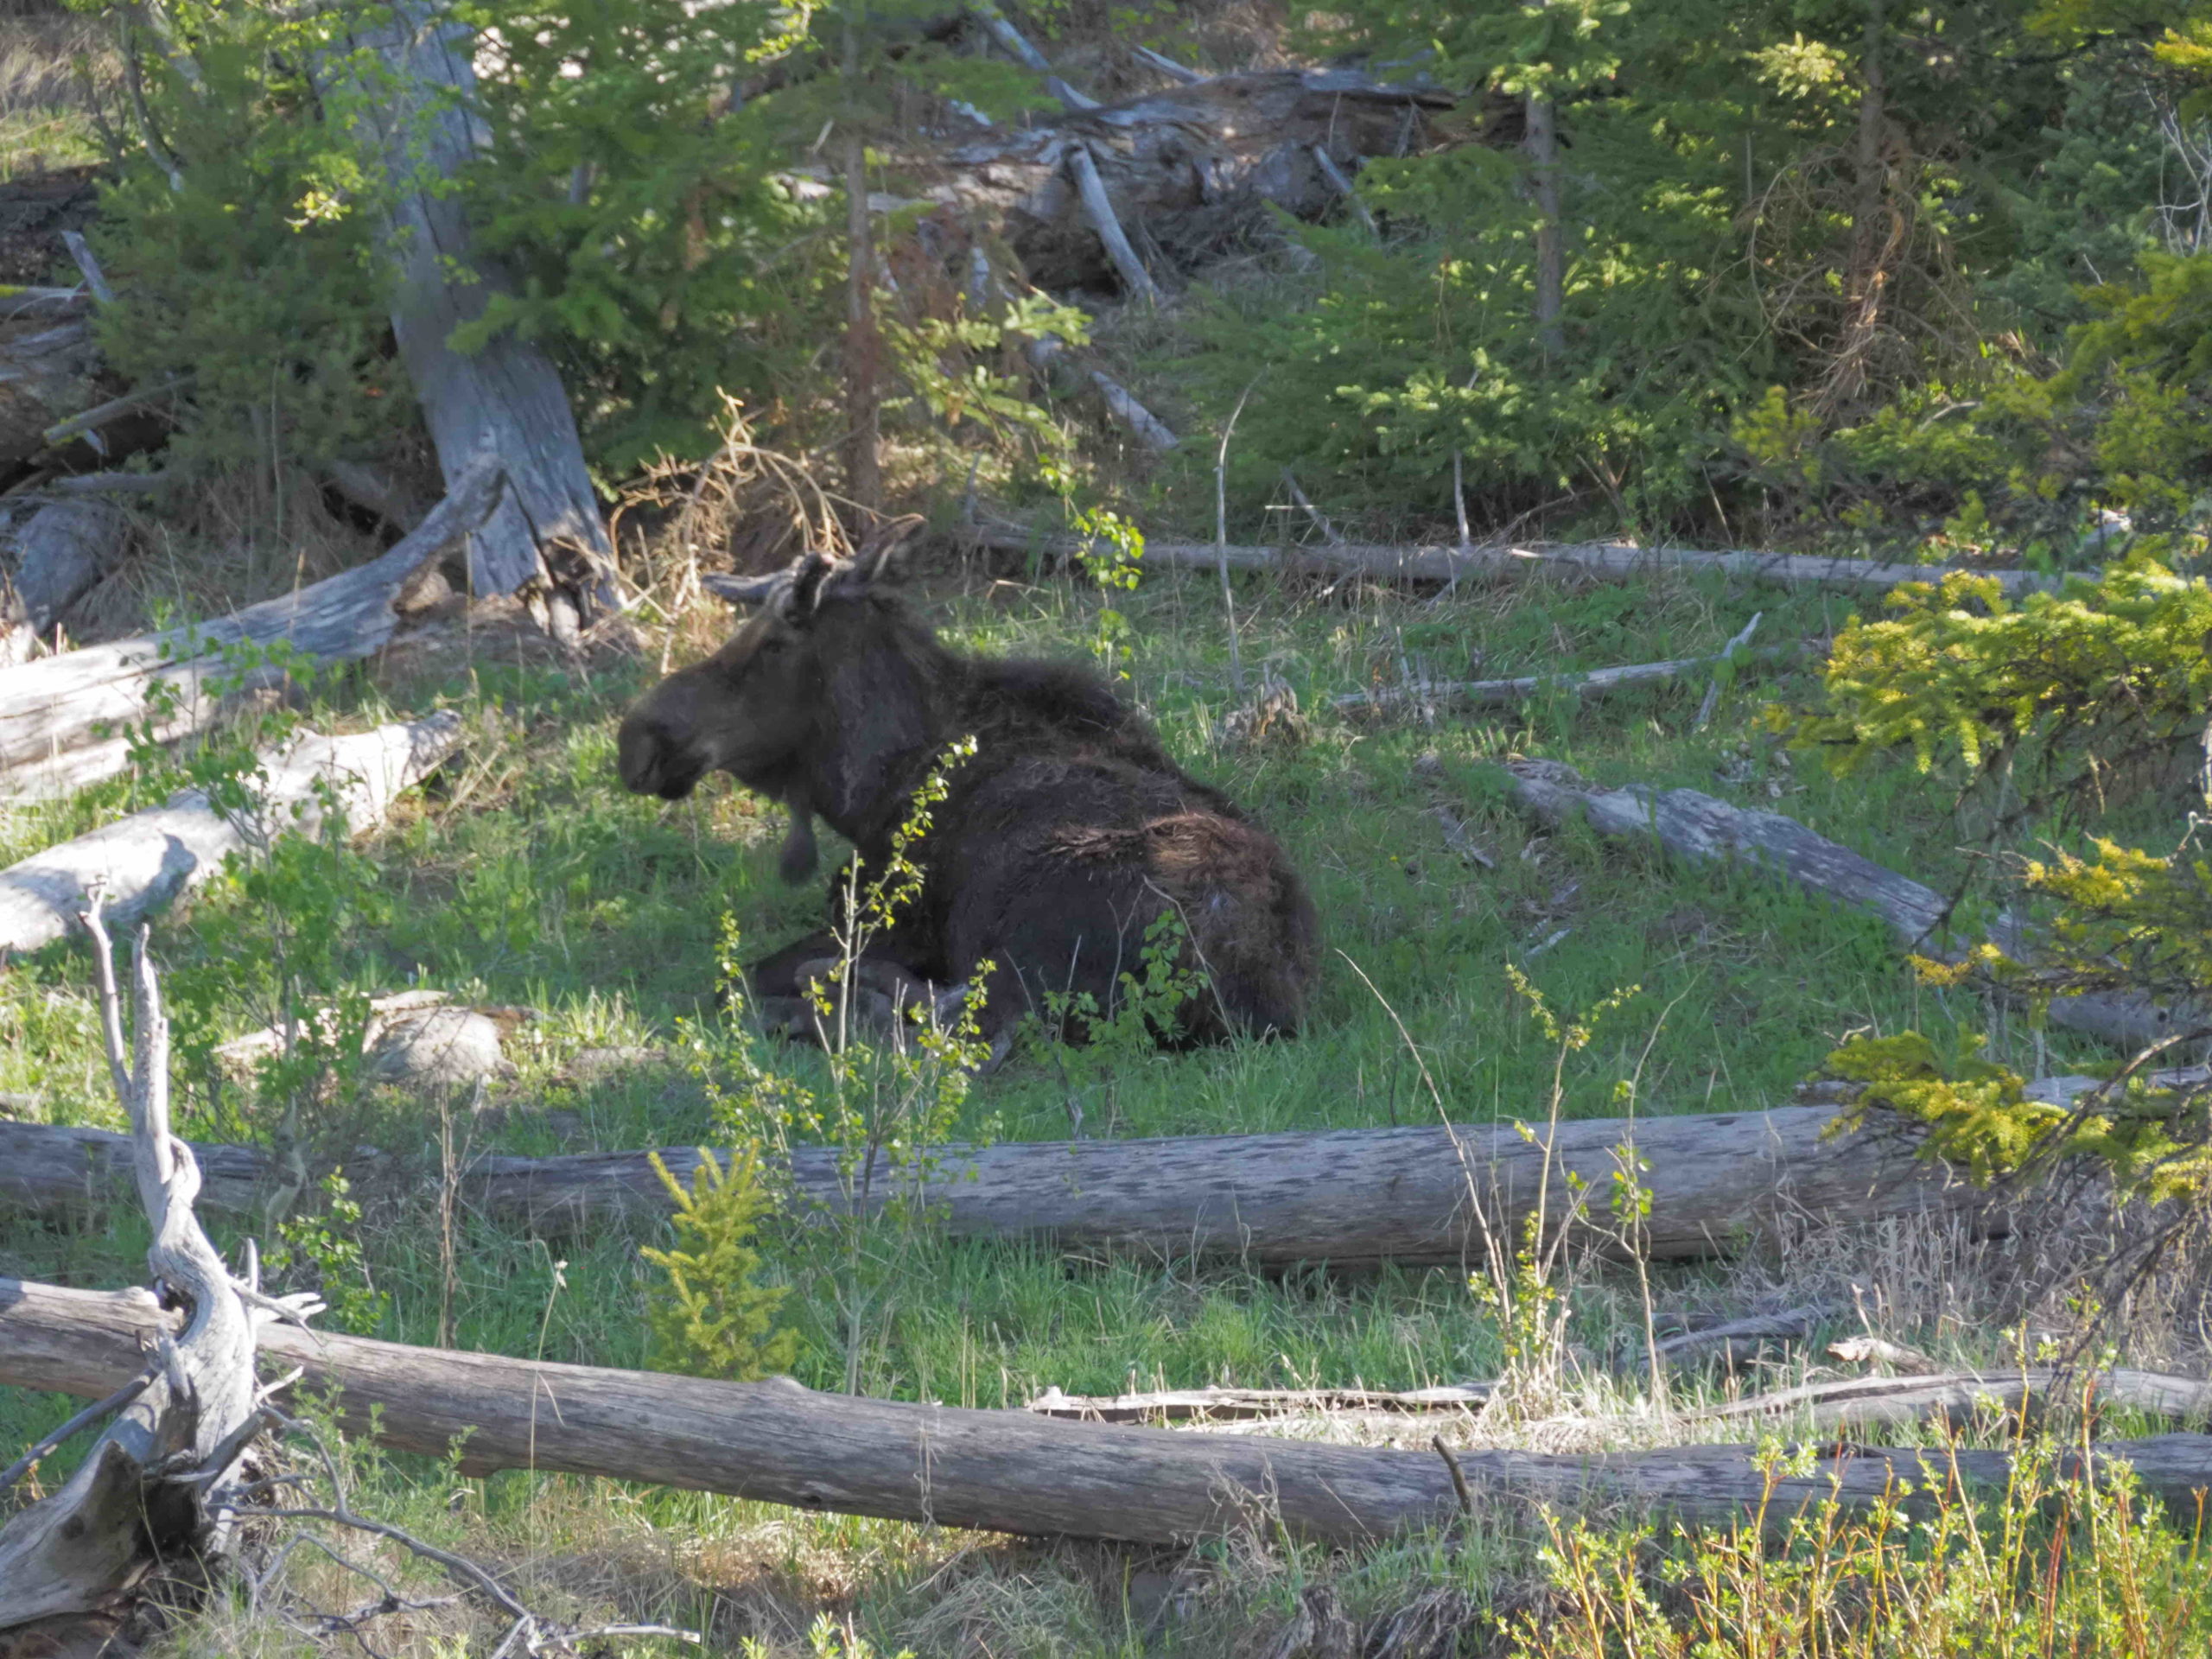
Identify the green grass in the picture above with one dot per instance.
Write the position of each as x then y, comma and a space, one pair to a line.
527, 875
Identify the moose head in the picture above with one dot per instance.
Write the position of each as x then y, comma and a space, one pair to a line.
813, 702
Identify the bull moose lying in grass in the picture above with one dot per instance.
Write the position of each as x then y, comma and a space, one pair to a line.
1065, 837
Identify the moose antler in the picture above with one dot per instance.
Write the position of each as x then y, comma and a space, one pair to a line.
812, 576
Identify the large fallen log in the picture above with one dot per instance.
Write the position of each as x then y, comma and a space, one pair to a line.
1701, 830
144, 861
60, 703
997, 1470
1605, 561
1348, 1196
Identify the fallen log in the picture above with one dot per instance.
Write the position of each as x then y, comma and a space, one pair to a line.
1701, 830
28, 300
777, 1442
1960, 1399
1605, 561
58, 703
1349, 1196
1506, 694
144, 861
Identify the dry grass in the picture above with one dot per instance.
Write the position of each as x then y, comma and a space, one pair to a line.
53, 64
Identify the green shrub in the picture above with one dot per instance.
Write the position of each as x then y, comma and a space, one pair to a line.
708, 1315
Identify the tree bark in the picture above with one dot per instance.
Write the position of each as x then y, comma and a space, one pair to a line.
863, 348
1348, 1196
1703, 830
50, 709
144, 861
1551, 255
995, 1470
1599, 560
547, 536
59, 553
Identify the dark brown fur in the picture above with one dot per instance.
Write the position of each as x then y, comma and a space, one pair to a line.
1066, 836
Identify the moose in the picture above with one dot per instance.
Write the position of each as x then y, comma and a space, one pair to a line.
1059, 845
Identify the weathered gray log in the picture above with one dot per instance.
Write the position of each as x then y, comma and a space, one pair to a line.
1703, 830
1349, 1196
1959, 1398
996, 1470
57, 704
162, 1481
1505, 694
1603, 560
58, 554
504, 398
144, 861
1737, 1341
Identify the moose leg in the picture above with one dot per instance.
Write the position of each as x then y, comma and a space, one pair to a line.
873, 998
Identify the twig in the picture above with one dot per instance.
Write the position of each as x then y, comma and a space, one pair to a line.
1098, 209
1320, 519
84, 1420
1221, 536
1458, 1477
1727, 655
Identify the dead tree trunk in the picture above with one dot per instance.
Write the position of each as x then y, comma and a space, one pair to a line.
144, 861
49, 370
160, 1487
1703, 830
546, 539
777, 1442
51, 710
1348, 1196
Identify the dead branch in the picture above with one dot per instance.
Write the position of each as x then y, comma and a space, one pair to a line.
1491, 694
1098, 210
162, 1483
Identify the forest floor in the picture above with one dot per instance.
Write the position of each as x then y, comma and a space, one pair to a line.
524, 875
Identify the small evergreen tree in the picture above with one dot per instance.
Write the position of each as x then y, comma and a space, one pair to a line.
710, 1316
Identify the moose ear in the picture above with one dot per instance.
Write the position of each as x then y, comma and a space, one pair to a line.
747, 590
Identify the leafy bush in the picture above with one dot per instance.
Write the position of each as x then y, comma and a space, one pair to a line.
2088, 683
